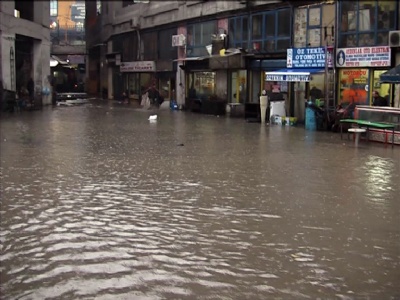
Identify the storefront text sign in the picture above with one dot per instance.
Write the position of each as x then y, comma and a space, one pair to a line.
138, 66
309, 58
363, 57
287, 78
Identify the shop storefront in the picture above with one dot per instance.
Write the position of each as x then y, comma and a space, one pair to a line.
304, 79
359, 71
137, 76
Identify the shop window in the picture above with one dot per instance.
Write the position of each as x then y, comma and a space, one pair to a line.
238, 32
271, 30
353, 86
198, 37
146, 81
132, 85
307, 27
366, 23
201, 85
382, 88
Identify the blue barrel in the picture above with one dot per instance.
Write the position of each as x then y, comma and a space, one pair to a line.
311, 119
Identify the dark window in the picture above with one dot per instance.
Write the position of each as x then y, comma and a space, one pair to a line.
25, 9
257, 27
271, 31
284, 23
53, 8
150, 42
127, 2
165, 39
270, 25
238, 32
366, 23
198, 37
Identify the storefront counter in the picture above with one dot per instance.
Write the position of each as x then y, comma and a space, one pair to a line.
381, 114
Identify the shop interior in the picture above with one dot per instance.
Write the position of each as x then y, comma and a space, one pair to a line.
354, 86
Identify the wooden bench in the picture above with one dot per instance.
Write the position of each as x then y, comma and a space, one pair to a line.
367, 125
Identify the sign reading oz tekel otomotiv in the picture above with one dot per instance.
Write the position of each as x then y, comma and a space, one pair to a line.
309, 58
363, 57
138, 66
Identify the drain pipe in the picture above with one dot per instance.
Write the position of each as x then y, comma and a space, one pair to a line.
335, 44
139, 43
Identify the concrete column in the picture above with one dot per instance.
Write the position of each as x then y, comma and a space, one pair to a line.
180, 86
37, 66
110, 82
8, 66
45, 66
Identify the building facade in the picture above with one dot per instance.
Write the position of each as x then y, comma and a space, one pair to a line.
363, 51
25, 47
228, 51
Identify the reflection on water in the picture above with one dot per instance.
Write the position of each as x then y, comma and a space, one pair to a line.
98, 203
379, 179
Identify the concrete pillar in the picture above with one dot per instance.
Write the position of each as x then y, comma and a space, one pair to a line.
45, 65
8, 73
37, 68
180, 86
110, 83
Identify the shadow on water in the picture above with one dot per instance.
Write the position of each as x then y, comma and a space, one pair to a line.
99, 203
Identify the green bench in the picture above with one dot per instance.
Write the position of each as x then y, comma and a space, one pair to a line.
367, 125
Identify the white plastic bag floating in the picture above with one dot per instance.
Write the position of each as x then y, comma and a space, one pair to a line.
153, 118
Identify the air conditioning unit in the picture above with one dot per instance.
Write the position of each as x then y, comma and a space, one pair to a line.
178, 40
394, 38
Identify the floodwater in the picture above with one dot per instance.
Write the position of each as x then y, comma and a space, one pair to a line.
99, 203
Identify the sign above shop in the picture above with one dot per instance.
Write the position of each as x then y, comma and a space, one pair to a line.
292, 75
138, 66
309, 58
287, 78
363, 57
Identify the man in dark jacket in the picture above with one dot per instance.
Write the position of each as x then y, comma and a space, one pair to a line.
378, 99
153, 95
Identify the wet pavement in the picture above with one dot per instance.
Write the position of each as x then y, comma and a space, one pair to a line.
99, 203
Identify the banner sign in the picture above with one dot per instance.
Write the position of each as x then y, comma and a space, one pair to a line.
78, 11
363, 57
138, 66
309, 58
287, 78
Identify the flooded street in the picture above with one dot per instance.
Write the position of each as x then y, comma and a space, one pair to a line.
98, 203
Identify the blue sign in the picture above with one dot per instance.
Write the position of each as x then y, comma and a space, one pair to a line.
308, 58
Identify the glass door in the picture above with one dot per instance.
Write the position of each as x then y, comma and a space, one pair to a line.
383, 89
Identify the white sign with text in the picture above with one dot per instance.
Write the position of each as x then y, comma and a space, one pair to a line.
138, 66
363, 57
